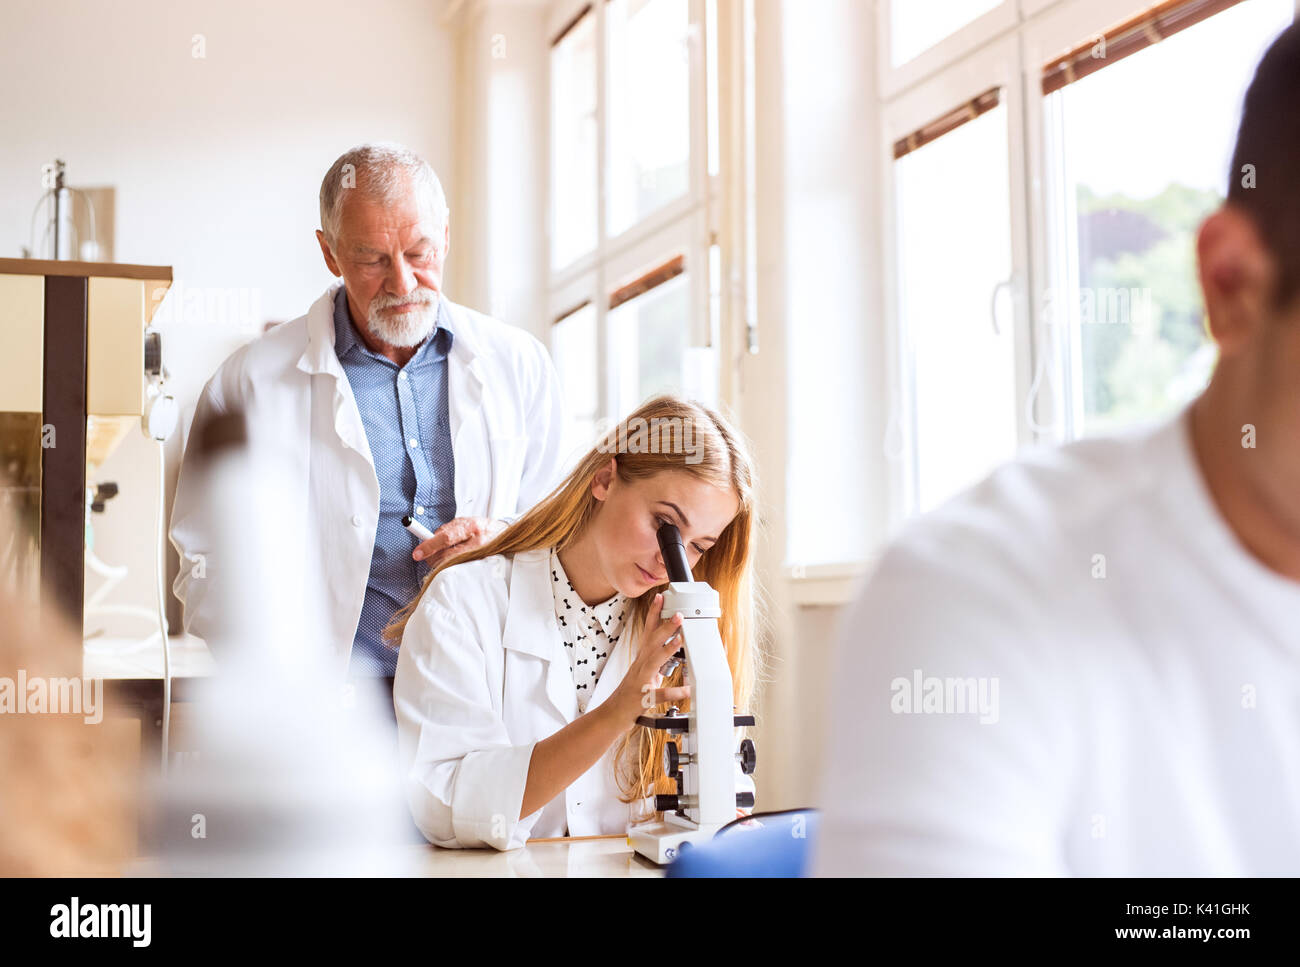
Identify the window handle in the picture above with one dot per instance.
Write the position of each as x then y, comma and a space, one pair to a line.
993, 302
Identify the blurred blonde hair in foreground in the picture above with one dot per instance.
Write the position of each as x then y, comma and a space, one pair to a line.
68, 787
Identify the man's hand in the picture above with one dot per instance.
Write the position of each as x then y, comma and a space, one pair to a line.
458, 536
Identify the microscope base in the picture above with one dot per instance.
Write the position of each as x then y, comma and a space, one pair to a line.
663, 842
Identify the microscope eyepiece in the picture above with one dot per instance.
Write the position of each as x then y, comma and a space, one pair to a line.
674, 553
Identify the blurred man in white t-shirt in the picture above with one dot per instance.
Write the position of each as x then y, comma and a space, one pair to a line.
1089, 664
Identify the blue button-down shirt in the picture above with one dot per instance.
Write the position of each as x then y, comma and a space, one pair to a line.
405, 415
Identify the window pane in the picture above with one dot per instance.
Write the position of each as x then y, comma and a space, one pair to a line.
573, 342
954, 249
573, 143
917, 25
1148, 142
649, 344
649, 107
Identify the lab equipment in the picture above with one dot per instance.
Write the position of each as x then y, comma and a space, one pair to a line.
80, 370
73, 384
703, 764
64, 236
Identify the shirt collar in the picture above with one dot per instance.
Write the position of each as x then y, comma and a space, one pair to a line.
607, 615
346, 339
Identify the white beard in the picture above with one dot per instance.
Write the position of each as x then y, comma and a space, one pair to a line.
403, 329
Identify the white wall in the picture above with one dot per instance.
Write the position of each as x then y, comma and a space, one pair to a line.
216, 162
502, 115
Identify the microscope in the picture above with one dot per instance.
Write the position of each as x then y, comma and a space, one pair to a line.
703, 765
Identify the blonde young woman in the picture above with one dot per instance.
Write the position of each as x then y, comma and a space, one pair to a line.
525, 663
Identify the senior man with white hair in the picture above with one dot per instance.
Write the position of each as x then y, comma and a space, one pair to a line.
385, 400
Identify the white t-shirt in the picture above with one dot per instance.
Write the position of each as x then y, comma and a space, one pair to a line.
1119, 682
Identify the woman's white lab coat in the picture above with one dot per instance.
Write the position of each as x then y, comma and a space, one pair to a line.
483, 676
506, 415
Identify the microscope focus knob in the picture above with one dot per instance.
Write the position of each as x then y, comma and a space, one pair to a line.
665, 803
153, 353
672, 762
748, 756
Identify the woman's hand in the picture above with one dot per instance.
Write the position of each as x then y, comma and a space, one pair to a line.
641, 688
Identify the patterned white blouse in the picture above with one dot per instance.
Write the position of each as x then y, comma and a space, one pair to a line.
590, 631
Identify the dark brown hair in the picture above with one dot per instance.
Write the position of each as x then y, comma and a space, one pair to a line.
1268, 141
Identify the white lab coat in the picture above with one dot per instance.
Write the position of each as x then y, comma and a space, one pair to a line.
506, 416
482, 676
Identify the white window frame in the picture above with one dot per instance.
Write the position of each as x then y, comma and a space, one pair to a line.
971, 37
686, 226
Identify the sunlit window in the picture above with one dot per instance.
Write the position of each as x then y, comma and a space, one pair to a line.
649, 107
631, 81
954, 253
573, 343
650, 345
573, 142
1146, 159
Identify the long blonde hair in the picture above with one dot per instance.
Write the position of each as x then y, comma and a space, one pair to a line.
716, 453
